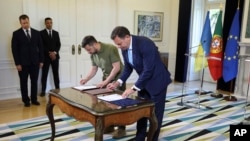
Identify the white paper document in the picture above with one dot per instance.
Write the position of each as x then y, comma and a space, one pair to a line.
85, 87
111, 97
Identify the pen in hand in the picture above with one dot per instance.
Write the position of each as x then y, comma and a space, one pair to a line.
81, 80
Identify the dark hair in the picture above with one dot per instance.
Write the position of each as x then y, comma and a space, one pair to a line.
46, 19
119, 31
23, 17
88, 40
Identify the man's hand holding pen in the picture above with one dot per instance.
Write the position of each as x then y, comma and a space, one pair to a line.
83, 81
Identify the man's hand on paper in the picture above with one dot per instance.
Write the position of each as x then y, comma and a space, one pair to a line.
102, 84
127, 93
113, 85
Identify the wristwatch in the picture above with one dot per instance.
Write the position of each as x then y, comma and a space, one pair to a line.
134, 89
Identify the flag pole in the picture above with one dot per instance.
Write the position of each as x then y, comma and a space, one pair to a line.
201, 86
230, 97
216, 94
201, 91
181, 103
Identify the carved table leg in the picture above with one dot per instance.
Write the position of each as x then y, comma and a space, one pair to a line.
153, 126
99, 129
49, 112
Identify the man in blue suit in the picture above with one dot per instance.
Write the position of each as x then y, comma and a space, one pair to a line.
142, 55
28, 55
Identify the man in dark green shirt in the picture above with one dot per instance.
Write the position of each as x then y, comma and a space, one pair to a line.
106, 57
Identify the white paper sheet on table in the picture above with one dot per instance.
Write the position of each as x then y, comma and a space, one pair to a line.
111, 97
85, 87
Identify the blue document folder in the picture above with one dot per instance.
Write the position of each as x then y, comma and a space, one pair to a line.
125, 102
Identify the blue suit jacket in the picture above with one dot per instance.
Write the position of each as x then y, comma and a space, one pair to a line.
153, 75
27, 52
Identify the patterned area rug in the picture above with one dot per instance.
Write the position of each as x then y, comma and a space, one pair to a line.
187, 117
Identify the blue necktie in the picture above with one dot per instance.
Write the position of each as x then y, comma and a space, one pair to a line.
130, 58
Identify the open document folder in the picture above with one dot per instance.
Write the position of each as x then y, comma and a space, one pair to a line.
118, 100
98, 91
85, 87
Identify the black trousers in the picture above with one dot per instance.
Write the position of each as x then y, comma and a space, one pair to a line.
32, 72
55, 69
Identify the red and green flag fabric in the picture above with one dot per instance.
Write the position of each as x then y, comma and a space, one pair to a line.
216, 50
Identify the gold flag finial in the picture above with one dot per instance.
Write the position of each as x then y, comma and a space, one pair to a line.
221, 5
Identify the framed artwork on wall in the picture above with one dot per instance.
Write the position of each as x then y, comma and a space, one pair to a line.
245, 32
149, 24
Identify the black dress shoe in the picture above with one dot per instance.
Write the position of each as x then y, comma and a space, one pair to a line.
27, 104
36, 103
55, 90
42, 94
119, 133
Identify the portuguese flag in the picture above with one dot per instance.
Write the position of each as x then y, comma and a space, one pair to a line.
216, 50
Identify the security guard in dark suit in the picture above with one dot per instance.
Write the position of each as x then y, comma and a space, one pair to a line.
51, 45
28, 55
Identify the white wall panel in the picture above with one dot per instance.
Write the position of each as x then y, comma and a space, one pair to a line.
75, 19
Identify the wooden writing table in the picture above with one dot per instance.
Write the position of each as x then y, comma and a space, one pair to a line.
86, 107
